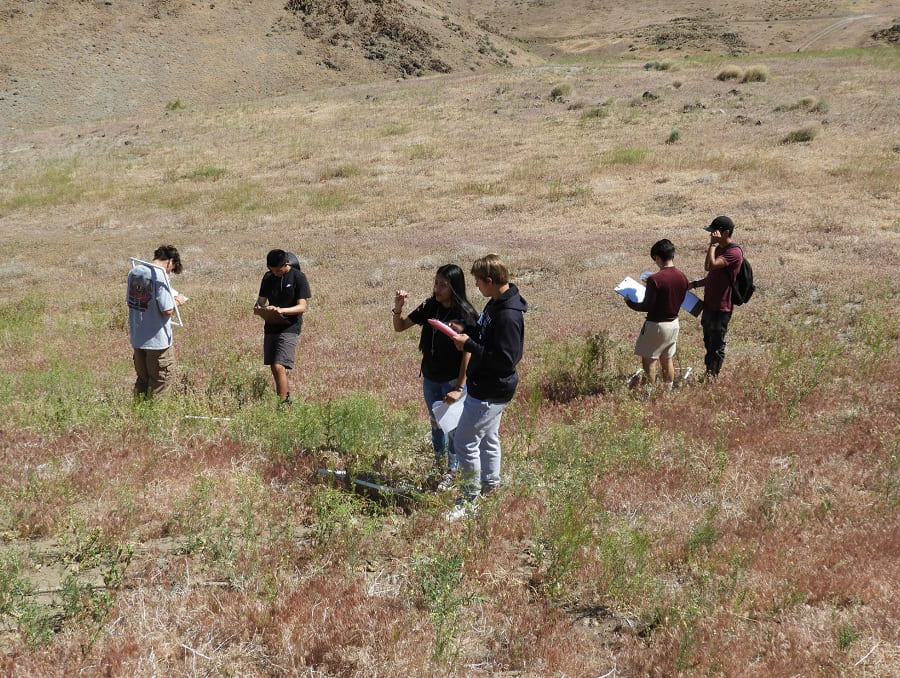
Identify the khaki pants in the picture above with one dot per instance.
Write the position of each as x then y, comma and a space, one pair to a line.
154, 370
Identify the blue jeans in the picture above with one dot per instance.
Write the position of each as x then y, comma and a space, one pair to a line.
477, 439
435, 391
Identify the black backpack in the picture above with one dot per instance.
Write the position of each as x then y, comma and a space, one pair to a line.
293, 260
742, 288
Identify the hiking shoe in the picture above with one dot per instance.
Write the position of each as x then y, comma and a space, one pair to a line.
463, 508
448, 482
488, 490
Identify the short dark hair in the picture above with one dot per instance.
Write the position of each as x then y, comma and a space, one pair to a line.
664, 249
166, 252
276, 258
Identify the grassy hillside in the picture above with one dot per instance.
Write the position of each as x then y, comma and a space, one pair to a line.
747, 526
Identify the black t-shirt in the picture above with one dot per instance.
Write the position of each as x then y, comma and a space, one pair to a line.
440, 359
284, 292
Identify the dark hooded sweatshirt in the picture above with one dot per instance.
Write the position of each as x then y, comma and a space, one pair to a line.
496, 347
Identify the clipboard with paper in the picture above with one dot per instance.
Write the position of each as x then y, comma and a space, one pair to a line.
176, 316
633, 290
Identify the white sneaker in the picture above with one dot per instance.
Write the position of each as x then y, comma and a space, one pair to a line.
462, 509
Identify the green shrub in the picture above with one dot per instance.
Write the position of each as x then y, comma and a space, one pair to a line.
674, 136
658, 66
800, 135
560, 91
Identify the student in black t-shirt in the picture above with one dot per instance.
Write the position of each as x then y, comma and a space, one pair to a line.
443, 367
283, 295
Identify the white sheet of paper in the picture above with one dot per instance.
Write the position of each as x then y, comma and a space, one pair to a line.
631, 289
447, 416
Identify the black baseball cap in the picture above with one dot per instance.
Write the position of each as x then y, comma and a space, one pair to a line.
721, 224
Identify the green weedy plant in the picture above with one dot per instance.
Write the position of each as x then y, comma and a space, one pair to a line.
623, 550
704, 534
438, 580
203, 530
846, 636
674, 136
36, 622
566, 531
580, 367
340, 523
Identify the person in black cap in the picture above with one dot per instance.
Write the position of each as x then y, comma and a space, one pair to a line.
723, 261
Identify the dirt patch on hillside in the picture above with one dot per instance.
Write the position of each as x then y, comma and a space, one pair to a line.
385, 32
891, 35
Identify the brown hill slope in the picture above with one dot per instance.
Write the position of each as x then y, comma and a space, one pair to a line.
66, 61
69, 60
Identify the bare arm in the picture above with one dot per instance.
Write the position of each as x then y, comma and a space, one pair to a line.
457, 393
713, 262
400, 323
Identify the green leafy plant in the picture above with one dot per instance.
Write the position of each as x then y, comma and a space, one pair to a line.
439, 588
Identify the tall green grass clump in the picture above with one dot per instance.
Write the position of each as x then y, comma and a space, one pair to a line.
580, 367
625, 156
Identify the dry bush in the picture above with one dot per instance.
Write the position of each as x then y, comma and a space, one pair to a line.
730, 73
756, 74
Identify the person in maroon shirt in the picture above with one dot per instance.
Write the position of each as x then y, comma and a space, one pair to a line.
659, 335
723, 261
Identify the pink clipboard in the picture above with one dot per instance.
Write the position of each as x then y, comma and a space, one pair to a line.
442, 327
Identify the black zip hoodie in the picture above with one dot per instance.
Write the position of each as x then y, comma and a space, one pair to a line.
496, 348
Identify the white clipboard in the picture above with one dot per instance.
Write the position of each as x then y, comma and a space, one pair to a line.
176, 317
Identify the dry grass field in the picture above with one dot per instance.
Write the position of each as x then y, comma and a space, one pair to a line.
747, 527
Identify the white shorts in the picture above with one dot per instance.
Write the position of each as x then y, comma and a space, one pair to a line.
657, 339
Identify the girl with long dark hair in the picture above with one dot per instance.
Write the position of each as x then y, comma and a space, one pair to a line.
443, 367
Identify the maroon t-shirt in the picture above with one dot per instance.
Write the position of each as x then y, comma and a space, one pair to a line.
665, 292
717, 295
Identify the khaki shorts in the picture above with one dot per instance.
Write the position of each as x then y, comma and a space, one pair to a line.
657, 339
